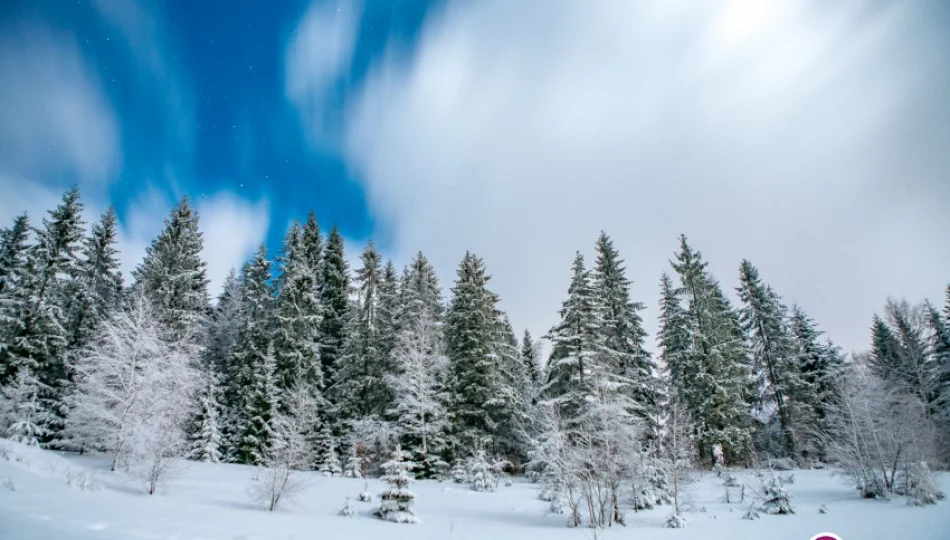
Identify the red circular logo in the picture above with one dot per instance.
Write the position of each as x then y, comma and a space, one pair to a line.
825, 536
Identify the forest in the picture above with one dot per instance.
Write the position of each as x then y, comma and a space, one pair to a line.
301, 363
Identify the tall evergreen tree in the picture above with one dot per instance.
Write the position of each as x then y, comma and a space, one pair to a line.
100, 285
530, 359
250, 355
13, 249
174, 277
819, 364
622, 327
13, 302
223, 324
577, 345
360, 384
885, 359
475, 377
420, 292
313, 247
674, 339
388, 328
257, 435
774, 370
716, 395
334, 298
36, 316
298, 317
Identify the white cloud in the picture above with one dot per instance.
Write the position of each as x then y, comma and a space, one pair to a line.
56, 119
319, 51
805, 137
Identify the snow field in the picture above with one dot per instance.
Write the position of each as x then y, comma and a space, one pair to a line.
213, 502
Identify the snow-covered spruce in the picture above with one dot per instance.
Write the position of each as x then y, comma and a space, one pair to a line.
481, 473
24, 413
397, 500
347, 510
917, 484
775, 499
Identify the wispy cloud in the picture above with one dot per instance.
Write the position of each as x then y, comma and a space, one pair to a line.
56, 121
786, 133
318, 54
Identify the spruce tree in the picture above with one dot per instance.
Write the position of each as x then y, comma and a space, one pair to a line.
885, 359
622, 327
250, 355
99, 283
819, 364
258, 432
298, 316
13, 250
774, 370
174, 277
223, 325
360, 387
334, 299
388, 323
475, 375
205, 439
313, 247
530, 359
716, 388
420, 292
576, 344
36, 314
13, 300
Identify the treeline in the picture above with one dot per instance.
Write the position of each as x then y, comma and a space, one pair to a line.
308, 363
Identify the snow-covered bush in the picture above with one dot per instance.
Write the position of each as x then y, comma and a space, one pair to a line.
481, 473
82, 480
365, 496
354, 464
397, 500
730, 480
823, 509
916, 483
289, 451
787, 480
347, 510
875, 423
7, 483
675, 521
751, 513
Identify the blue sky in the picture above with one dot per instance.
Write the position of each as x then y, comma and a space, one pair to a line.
808, 136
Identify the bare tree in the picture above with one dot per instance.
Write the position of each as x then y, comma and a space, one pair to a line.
289, 452
133, 394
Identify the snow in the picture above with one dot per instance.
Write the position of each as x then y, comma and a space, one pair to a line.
213, 502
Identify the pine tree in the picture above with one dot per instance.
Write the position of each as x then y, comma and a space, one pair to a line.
471, 331
819, 365
35, 318
388, 324
885, 360
298, 316
622, 327
774, 371
173, 276
940, 347
715, 387
516, 391
418, 383
100, 284
313, 248
334, 298
257, 436
223, 324
530, 359
24, 416
13, 266
13, 249
674, 340
576, 345
326, 460
206, 434
397, 500
360, 384
420, 292
250, 354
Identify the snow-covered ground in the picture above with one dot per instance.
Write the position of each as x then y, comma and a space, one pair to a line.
206, 502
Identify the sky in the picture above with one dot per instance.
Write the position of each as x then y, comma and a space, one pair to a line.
811, 137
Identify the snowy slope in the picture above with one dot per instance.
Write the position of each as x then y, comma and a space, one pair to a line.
208, 502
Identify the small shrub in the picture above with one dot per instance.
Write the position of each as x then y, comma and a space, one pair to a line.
675, 521
347, 510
